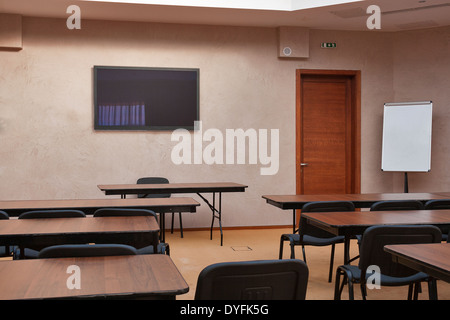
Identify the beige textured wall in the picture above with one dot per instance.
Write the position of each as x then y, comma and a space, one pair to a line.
48, 148
421, 73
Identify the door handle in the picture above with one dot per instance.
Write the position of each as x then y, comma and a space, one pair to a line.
304, 164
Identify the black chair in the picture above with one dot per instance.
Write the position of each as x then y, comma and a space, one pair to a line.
394, 205
253, 280
116, 212
32, 253
158, 180
437, 204
440, 204
312, 236
391, 274
86, 250
397, 205
5, 251
47, 214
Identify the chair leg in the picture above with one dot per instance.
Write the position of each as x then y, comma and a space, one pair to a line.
337, 286
417, 289
337, 295
410, 291
171, 227
304, 253
330, 274
351, 296
432, 289
363, 291
347, 279
181, 224
280, 254
293, 251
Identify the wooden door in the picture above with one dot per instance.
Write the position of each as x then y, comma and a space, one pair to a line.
328, 132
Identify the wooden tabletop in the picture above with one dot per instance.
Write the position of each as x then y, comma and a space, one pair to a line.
88, 206
115, 189
355, 222
362, 200
126, 230
431, 258
119, 276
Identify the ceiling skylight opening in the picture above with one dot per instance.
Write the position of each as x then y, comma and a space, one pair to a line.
276, 5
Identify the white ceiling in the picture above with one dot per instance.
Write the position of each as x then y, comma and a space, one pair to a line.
396, 14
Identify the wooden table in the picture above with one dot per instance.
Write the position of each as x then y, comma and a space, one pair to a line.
430, 258
362, 200
88, 206
198, 188
135, 231
124, 277
349, 224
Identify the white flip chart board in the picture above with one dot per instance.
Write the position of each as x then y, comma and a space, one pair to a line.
407, 137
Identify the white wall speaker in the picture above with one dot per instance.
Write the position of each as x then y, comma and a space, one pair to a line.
287, 51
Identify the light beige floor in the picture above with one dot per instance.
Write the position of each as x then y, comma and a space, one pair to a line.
195, 251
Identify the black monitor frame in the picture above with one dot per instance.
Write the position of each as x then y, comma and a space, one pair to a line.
146, 126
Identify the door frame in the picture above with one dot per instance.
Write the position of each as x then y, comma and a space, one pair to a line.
355, 77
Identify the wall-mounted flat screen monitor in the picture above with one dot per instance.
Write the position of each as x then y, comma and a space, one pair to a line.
134, 98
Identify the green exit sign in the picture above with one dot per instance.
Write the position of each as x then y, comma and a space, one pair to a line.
328, 45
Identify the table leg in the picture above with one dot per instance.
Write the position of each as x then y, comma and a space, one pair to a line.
162, 226
216, 214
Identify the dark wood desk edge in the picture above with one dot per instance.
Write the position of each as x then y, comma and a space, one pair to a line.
81, 236
275, 203
89, 210
353, 229
291, 205
125, 190
359, 203
340, 230
416, 264
162, 295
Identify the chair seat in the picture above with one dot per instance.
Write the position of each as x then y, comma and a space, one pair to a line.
312, 241
28, 254
33, 254
4, 252
384, 279
163, 248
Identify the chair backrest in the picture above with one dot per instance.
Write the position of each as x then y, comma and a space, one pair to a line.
45, 214
115, 212
3, 215
322, 206
437, 204
153, 180
376, 237
253, 280
86, 250
397, 205
328, 206
126, 212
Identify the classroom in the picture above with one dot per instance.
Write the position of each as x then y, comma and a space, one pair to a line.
270, 80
